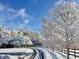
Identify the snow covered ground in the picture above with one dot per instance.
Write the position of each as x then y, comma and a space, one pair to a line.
14, 53
54, 55
28, 53
27, 50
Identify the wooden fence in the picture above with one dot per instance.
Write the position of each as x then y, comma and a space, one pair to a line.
73, 52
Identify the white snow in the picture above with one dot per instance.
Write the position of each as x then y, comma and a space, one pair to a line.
27, 50
55, 55
48, 54
15, 50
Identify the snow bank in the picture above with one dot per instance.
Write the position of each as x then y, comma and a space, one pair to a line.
10, 50
4, 53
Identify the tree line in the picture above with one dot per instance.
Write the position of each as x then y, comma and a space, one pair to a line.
19, 38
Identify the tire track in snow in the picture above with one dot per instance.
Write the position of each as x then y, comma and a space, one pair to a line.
41, 54
34, 54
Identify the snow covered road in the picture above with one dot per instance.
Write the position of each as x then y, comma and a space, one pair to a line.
31, 53
44, 53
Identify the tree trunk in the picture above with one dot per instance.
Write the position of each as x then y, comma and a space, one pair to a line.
68, 53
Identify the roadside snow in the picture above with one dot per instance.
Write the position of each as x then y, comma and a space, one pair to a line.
14, 53
55, 55
47, 53
10, 50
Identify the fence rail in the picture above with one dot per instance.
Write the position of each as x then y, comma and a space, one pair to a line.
73, 52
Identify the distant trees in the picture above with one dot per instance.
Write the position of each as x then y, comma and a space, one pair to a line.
35, 37
18, 38
61, 29
3, 36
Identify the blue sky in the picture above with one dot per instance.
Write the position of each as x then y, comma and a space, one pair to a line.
24, 14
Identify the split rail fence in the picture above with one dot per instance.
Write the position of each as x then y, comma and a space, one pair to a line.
73, 52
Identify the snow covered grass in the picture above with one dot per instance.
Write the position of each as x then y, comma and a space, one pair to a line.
56, 54
27, 50
65, 55
14, 53
47, 53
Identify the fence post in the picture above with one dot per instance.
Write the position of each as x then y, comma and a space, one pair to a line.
68, 53
74, 54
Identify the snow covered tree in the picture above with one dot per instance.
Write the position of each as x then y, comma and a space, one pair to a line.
19, 39
62, 25
35, 37
4, 37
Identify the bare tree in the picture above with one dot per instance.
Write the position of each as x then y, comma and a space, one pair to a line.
62, 25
